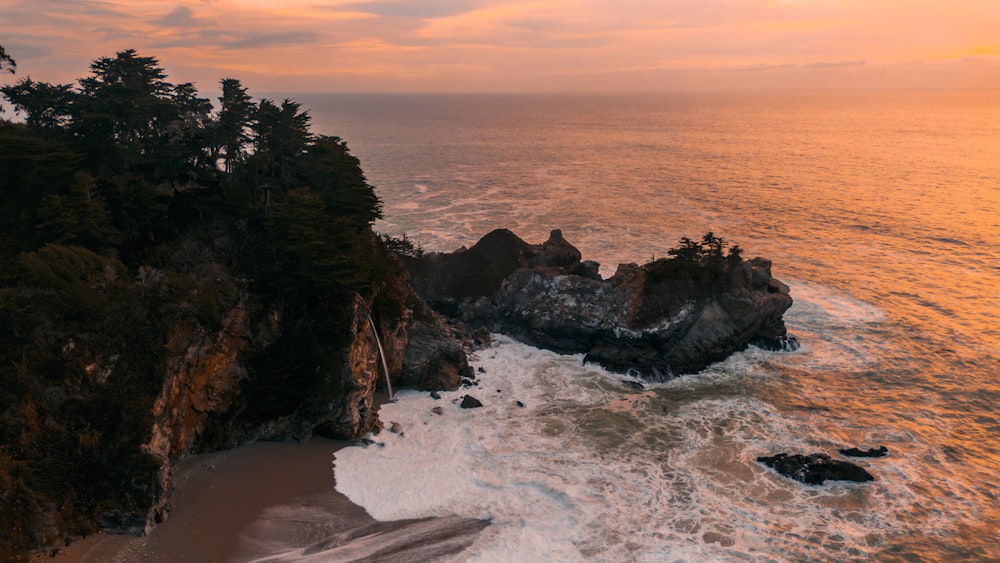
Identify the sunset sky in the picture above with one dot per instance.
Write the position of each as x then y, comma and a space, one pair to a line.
518, 45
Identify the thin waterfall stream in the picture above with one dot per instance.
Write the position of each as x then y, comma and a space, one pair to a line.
381, 352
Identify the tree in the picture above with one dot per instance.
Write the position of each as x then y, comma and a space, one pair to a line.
329, 168
6, 62
233, 122
78, 217
687, 251
125, 102
314, 252
46, 106
280, 134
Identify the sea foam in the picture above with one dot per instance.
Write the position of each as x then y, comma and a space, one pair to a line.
590, 469
551, 495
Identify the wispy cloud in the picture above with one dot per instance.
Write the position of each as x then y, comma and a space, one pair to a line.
425, 9
181, 16
488, 44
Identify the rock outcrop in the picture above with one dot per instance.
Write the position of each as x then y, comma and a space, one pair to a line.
815, 469
659, 320
880, 451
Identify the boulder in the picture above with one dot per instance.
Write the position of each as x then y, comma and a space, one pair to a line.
470, 402
433, 358
815, 469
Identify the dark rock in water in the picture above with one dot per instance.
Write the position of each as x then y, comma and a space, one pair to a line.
814, 469
470, 402
784, 343
396, 428
881, 451
633, 384
660, 320
466, 382
437, 410
481, 370
519, 403
365, 442
435, 395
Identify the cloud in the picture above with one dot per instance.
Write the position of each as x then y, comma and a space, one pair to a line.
795, 66
264, 40
482, 44
181, 16
417, 9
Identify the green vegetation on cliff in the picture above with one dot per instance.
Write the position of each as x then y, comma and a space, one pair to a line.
131, 207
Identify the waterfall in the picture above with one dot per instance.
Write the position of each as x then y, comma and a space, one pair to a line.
381, 352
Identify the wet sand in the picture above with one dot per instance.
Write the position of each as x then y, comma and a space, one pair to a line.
276, 502
219, 494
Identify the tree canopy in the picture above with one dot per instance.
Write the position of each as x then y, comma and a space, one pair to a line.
130, 206
6, 61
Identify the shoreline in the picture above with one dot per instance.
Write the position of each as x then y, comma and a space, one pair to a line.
217, 496
272, 501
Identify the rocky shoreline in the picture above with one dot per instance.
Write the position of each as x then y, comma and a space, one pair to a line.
659, 320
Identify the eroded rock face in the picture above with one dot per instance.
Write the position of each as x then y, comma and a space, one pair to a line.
641, 320
203, 374
434, 358
208, 397
815, 469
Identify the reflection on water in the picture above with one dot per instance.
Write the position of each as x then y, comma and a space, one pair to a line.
880, 209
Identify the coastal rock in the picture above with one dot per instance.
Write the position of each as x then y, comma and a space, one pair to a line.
433, 358
881, 451
659, 320
815, 469
470, 402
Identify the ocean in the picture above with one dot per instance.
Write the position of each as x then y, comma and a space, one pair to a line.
881, 210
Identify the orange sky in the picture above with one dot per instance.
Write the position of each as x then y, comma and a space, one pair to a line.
518, 45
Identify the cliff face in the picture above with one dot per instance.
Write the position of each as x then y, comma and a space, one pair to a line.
208, 389
659, 320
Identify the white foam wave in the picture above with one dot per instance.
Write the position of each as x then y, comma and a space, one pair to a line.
552, 494
591, 469
820, 304
834, 330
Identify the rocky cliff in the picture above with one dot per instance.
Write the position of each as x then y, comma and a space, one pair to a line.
659, 320
208, 394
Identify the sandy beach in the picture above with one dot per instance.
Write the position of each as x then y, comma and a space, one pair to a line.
272, 501
217, 496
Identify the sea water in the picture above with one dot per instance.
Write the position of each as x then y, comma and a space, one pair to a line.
881, 210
